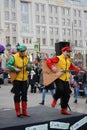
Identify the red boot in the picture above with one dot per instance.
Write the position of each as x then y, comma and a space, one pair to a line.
24, 108
17, 108
54, 103
64, 111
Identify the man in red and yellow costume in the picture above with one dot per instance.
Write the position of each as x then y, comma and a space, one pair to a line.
62, 83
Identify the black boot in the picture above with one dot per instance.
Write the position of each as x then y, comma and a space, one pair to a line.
42, 103
75, 101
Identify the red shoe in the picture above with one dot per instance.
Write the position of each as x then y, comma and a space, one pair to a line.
17, 108
54, 103
24, 109
64, 111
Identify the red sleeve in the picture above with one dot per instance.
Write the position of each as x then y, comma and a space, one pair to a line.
73, 67
51, 61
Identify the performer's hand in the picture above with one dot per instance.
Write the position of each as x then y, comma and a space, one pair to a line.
54, 69
81, 72
79, 82
28, 65
17, 69
5, 70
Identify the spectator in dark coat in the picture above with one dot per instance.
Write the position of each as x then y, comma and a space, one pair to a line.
81, 84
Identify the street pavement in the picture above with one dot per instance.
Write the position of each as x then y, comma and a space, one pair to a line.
6, 100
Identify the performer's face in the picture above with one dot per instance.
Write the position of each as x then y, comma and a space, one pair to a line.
22, 53
67, 54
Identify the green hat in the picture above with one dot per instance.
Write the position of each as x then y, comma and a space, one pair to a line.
21, 48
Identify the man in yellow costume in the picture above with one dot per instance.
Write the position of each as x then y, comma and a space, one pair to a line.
19, 64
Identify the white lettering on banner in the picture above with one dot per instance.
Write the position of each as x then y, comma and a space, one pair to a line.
79, 124
59, 125
38, 127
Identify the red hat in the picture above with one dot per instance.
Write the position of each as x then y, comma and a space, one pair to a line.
67, 48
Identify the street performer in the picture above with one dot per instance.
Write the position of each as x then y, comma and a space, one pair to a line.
19, 64
63, 90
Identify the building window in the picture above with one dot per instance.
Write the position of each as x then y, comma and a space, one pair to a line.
68, 32
38, 30
24, 12
51, 31
50, 9
43, 30
25, 16
25, 27
24, 19
79, 33
79, 13
56, 31
14, 40
51, 20
42, 8
30, 41
44, 41
38, 40
37, 19
67, 11
37, 7
7, 26
63, 11
68, 22
79, 23
43, 19
13, 16
75, 22
6, 15
56, 21
76, 43
75, 33
14, 27
74, 12
57, 40
86, 43
63, 21
64, 31
80, 43
86, 32
6, 3
55, 9
24, 41
24, 7
7, 39
51, 42
13, 3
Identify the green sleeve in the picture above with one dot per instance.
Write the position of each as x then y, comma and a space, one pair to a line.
10, 64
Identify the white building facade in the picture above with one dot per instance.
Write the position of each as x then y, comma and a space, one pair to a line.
45, 22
